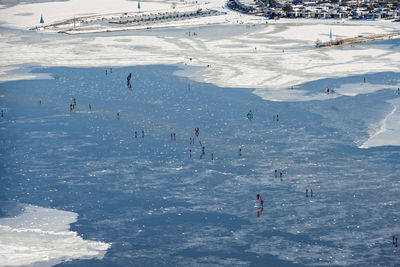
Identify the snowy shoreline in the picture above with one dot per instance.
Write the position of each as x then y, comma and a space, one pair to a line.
129, 21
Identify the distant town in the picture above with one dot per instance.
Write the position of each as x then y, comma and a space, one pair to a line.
320, 9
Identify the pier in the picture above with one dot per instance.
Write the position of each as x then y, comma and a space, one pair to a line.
359, 39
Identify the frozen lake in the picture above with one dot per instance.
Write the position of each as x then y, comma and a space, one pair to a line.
157, 204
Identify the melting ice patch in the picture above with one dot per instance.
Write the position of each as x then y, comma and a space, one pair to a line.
42, 237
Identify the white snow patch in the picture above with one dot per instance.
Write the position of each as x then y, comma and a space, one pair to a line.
42, 236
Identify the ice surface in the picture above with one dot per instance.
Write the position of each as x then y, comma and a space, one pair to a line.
42, 237
272, 58
159, 206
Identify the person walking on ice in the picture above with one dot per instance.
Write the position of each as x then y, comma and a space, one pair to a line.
249, 115
261, 200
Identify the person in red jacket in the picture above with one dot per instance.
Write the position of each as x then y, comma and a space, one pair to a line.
261, 200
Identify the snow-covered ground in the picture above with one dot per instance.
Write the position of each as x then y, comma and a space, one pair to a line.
272, 56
